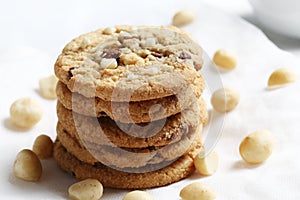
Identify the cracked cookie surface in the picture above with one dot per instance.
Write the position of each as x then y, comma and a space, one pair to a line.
130, 63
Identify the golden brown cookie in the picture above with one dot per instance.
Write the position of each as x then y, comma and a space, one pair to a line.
137, 112
110, 177
130, 63
105, 131
92, 153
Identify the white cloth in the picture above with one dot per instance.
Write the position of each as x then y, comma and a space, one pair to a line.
33, 33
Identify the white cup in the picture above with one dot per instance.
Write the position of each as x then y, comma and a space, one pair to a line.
282, 16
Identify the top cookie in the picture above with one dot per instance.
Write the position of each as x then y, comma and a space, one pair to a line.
128, 63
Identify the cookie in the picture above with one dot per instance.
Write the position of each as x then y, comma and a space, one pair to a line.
110, 177
132, 112
92, 153
105, 131
130, 63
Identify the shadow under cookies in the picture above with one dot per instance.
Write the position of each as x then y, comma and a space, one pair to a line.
240, 164
53, 181
8, 125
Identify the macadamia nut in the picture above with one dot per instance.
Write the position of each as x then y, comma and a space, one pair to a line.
48, 87
43, 147
225, 99
138, 195
281, 77
131, 59
109, 30
257, 146
109, 63
225, 59
183, 17
27, 166
26, 112
207, 165
197, 191
89, 189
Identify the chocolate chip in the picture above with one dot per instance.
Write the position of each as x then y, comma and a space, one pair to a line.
70, 72
101, 114
197, 65
173, 136
73, 174
98, 164
111, 53
157, 54
167, 53
184, 55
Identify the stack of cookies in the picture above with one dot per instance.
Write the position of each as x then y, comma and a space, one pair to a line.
130, 112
